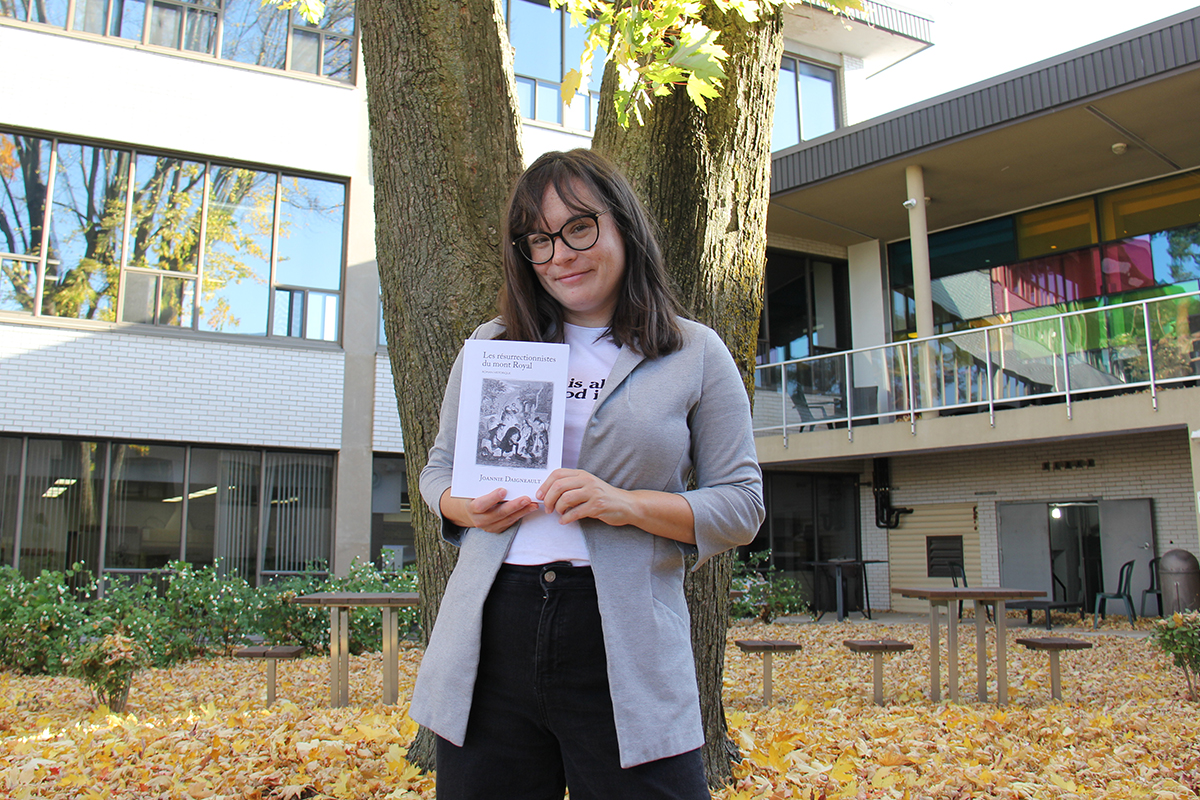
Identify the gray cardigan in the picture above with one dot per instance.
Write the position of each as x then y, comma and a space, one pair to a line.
655, 423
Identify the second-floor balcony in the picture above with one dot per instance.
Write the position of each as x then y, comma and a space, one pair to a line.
1140, 346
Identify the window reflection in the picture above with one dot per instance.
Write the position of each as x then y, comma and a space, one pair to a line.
805, 103
1043, 260
165, 227
86, 223
237, 266
50, 12
24, 173
249, 31
139, 253
546, 46
311, 215
251, 35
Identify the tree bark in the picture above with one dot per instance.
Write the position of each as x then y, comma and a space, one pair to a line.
446, 149
705, 177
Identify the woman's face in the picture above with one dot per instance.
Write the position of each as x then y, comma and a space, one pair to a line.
585, 283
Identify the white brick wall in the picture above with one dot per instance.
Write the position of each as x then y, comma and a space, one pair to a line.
1154, 465
69, 382
388, 437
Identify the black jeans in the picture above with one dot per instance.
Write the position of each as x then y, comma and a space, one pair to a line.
541, 716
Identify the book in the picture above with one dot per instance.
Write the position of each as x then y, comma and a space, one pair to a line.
511, 409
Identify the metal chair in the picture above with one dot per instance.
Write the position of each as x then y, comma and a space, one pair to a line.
1154, 589
1122, 593
957, 573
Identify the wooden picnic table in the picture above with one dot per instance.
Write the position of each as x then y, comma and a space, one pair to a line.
981, 596
339, 604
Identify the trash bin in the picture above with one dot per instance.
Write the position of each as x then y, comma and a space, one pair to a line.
1179, 577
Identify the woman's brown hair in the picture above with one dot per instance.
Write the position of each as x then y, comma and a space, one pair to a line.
646, 311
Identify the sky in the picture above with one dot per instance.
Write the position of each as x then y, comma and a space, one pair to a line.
976, 39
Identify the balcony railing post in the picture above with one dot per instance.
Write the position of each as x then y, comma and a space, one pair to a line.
783, 400
987, 362
912, 388
849, 384
1062, 338
1150, 356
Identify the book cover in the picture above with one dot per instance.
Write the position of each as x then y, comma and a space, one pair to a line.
511, 409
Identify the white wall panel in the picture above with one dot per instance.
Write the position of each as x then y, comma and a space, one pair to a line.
70, 382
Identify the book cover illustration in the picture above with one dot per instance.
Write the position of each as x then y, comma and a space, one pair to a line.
510, 416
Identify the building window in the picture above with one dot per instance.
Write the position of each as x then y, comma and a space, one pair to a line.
393, 545
245, 31
169, 241
124, 508
1130, 244
807, 308
806, 103
545, 47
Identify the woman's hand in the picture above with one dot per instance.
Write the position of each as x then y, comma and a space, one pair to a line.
488, 512
575, 494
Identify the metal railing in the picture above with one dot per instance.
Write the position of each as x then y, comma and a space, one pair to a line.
1129, 346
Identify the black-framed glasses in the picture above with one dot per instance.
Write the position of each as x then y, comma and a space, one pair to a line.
578, 233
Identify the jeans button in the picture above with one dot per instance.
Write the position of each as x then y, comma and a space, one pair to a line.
550, 576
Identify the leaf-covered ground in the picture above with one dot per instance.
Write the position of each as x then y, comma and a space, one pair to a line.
201, 731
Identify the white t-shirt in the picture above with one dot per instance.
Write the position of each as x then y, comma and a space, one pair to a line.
542, 538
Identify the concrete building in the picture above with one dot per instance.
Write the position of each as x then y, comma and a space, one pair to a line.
1000, 362
191, 364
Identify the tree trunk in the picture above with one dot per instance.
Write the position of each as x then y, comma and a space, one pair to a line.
705, 176
446, 149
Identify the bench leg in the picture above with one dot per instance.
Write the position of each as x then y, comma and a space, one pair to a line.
766, 657
271, 681
1055, 678
878, 677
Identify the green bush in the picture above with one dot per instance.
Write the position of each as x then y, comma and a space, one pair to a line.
59, 621
208, 609
766, 591
40, 620
1179, 636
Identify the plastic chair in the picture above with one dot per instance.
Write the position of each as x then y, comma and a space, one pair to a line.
1122, 593
1154, 589
957, 573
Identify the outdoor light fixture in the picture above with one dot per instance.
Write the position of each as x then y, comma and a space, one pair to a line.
910, 203
1119, 148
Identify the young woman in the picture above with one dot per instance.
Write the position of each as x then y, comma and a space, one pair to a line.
561, 657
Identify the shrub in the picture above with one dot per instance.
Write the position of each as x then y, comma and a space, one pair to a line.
40, 619
766, 591
208, 609
47, 625
1179, 636
107, 665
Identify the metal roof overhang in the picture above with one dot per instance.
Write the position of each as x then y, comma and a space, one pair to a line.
1027, 138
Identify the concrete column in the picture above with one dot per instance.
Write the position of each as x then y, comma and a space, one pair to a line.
1194, 441
918, 230
360, 336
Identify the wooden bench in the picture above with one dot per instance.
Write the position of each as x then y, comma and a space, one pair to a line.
1054, 645
767, 649
272, 654
877, 647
